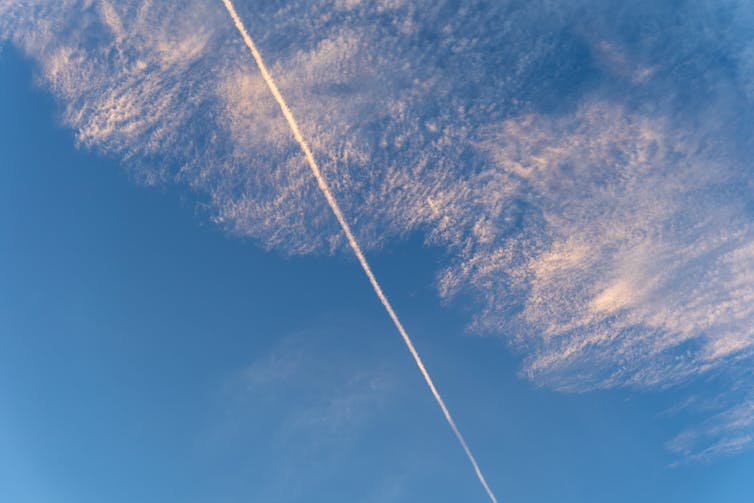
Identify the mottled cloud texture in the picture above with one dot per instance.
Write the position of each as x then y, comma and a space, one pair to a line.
587, 166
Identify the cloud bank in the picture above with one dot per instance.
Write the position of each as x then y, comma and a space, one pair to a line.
586, 167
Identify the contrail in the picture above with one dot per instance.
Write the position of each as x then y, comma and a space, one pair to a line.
349, 235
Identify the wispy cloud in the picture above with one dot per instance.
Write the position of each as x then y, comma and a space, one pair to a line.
339, 398
635, 269
641, 246
591, 187
322, 396
727, 432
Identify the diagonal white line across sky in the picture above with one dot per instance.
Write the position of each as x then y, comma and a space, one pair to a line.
324, 187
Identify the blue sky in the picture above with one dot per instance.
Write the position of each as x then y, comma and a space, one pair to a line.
569, 242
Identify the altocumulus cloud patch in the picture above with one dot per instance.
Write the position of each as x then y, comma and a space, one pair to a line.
587, 173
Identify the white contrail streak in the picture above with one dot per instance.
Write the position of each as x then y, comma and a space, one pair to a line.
349, 235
